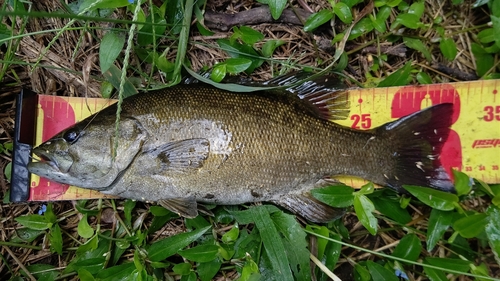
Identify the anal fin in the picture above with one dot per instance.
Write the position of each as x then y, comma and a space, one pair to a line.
308, 207
184, 207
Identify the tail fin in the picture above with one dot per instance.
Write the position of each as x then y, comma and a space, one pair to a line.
418, 139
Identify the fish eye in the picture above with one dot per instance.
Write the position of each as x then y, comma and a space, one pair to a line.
71, 135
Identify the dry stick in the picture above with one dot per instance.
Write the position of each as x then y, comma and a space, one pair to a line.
224, 22
324, 268
32, 278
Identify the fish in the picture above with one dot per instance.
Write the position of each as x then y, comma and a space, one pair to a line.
190, 145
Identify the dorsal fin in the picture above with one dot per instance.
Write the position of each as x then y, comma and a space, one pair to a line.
326, 95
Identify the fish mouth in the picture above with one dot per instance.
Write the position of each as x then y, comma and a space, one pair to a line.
46, 160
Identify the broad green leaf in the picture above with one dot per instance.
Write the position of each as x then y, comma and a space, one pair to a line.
351, 3
366, 189
81, 207
492, 230
106, 89
463, 183
5, 33
339, 196
380, 273
197, 222
164, 64
451, 264
434, 274
145, 36
424, 78
484, 61
250, 271
165, 248
174, 15
378, 24
159, 211
391, 209
317, 19
389, 3
203, 31
384, 13
218, 72
85, 275
231, 236
495, 8
273, 245
409, 20
409, 248
49, 214
398, 78
84, 229
418, 45
364, 210
448, 48
417, 9
249, 35
25, 235
471, 226
296, 246
113, 75
439, 222
486, 36
237, 50
330, 257
361, 273
103, 4
109, 49
182, 268
276, 7
495, 20
36, 222
93, 265
42, 271
119, 272
320, 242
55, 238
207, 270
363, 26
248, 244
481, 270
441, 200
237, 65
343, 12
202, 253
269, 47
127, 210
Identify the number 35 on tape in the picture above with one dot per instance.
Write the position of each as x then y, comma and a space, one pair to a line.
473, 145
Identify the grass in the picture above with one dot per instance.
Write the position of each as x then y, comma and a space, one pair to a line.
382, 236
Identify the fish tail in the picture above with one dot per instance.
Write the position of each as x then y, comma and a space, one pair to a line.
417, 140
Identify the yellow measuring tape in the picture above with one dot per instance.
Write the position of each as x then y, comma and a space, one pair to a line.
473, 146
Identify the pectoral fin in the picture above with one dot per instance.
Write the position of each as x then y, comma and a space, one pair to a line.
177, 156
310, 208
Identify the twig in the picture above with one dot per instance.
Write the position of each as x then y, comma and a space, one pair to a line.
324, 268
21, 265
455, 72
224, 22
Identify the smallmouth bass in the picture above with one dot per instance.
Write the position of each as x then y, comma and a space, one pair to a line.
192, 144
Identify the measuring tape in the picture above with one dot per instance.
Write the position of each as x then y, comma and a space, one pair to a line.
473, 145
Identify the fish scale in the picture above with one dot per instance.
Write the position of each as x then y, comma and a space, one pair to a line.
194, 144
